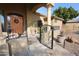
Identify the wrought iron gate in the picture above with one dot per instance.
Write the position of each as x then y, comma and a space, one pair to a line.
46, 37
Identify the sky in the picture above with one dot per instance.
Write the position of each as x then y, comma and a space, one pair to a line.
43, 10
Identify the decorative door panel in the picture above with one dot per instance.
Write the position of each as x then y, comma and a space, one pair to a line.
17, 24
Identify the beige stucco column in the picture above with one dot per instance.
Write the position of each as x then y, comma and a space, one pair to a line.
49, 7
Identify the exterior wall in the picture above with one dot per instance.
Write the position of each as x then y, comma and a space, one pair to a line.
32, 22
58, 23
71, 27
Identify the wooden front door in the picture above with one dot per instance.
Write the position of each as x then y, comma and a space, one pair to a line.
17, 24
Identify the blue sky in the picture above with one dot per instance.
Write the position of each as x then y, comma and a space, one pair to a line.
56, 5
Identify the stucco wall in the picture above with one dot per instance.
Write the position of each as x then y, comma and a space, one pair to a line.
71, 27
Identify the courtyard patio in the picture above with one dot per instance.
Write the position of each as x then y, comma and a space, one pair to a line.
31, 47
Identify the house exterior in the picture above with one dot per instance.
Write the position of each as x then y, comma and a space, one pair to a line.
27, 13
